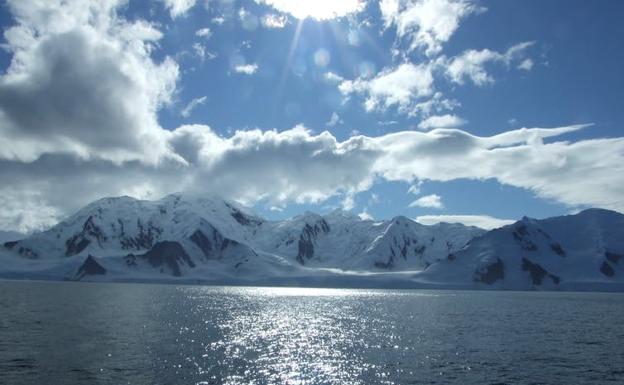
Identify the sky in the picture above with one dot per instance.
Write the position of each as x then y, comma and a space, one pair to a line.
469, 111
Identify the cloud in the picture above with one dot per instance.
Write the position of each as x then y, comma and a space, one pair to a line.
247, 69
82, 81
298, 166
334, 120
365, 216
483, 221
271, 20
248, 20
415, 188
426, 24
178, 8
526, 64
411, 87
25, 212
400, 86
218, 20
442, 121
317, 9
470, 65
204, 32
333, 78
432, 201
186, 111
202, 53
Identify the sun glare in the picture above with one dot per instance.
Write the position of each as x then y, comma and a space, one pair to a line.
317, 9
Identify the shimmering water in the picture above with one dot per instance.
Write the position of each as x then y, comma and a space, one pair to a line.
76, 333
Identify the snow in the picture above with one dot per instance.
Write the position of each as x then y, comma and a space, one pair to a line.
219, 241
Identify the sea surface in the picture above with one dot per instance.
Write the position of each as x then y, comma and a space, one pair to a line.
81, 333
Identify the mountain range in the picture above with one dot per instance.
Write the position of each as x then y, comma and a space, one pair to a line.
210, 240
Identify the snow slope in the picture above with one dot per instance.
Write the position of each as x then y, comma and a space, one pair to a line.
579, 251
208, 239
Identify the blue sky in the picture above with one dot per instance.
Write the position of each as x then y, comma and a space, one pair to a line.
164, 87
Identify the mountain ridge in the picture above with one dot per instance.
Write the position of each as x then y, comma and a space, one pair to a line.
207, 239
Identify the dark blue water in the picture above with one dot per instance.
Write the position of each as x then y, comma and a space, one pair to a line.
77, 333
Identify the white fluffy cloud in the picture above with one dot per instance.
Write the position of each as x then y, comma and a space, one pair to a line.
426, 24
206, 33
298, 166
432, 201
79, 104
178, 8
402, 86
442, 121
247, 69
411, 88
82, 81
483, 221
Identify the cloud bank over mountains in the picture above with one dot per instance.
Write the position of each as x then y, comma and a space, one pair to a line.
78, 121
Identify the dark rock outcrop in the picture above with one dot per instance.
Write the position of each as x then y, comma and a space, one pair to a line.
202, 241
241, 217
557, 249
520, 234
144, 239
538, 273
78, 242
211, 242
10, 245
606, 269
308, 235
491, 273
170, 254
90, 267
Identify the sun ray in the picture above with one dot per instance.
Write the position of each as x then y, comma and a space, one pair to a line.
288, 64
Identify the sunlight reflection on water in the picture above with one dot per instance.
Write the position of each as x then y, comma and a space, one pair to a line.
159, 334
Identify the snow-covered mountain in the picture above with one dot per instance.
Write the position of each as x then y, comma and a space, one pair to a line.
209, 239
575, 251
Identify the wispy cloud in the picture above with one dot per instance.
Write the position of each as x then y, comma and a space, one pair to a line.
188, 109
471, 64
426, 24
442, 121
432, 201
483, 221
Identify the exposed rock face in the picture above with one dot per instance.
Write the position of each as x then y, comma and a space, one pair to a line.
606, 269
308, 236
557, 249
538, 273
491, 273
10, 245
78, 242
170, 254
144, 239
211, 242
241, 218
521, 235
202, 241
90, 267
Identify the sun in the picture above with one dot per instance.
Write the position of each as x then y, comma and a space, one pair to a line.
317, 9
